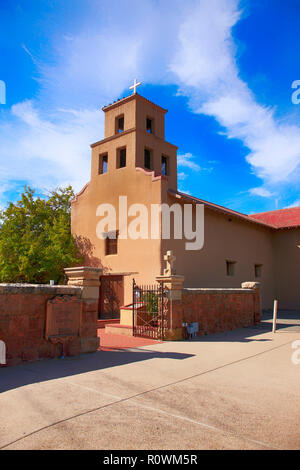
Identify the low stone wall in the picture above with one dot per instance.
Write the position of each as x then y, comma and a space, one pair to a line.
43, 321
217, 310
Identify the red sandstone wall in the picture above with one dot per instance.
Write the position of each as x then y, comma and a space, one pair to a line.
89, 340
217, 311
23, 322
22, 326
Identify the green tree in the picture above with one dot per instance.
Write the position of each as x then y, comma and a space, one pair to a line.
35, 238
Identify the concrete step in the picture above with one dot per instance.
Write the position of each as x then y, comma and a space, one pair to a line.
103, 322
117, 329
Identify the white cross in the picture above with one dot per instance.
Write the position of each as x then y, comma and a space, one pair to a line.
170, 259
134, 86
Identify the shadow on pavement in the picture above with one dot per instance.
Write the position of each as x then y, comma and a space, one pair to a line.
241, 335
30, 373
288, 321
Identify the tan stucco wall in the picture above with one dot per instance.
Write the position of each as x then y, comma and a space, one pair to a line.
246, 243
287, 268
128, 108
110, 147
136, 110
141, 258
158, 147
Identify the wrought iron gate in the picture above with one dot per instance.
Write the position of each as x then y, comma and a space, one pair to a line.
150, 311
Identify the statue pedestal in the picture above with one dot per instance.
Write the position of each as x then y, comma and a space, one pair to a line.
173, 284
173, 287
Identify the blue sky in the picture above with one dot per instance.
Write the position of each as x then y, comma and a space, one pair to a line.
223, 69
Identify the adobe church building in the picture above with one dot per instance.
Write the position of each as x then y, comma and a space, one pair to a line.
136, 161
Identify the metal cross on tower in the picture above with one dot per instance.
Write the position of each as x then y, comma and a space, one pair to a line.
134, 86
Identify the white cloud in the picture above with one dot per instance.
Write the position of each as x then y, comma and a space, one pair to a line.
187, 160
181, 176
45, 141
190, 44
47, 153
117, 42
4, 187
260, 191
185, 191
205, 45
206, 68
294, 204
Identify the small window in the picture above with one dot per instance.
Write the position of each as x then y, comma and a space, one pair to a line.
258, 270
164, 165
103, 164
119, 124
121, 158
147, 159
149, 125
111, 243
230, 268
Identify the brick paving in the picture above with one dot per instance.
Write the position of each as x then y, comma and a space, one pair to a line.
110, 342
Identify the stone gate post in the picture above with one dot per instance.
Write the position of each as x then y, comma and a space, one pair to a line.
257, 299
89, 279
173, 285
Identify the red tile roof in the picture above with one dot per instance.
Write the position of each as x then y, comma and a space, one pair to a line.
282, 218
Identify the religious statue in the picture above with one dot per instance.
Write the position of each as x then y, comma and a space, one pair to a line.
170, 261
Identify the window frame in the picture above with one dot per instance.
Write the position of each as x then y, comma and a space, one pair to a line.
100, 164
258, 270
118, 129
119, 150
147, 149
167, 172
151, 119
230, 267
111, 244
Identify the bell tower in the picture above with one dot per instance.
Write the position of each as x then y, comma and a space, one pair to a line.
134, 137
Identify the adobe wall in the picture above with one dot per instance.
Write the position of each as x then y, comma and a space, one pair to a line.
226, 238
136, 258
25, 311
287, 268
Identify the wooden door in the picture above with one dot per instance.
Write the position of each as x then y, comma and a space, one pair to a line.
111, 296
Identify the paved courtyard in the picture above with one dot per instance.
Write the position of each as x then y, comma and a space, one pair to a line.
236, 390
